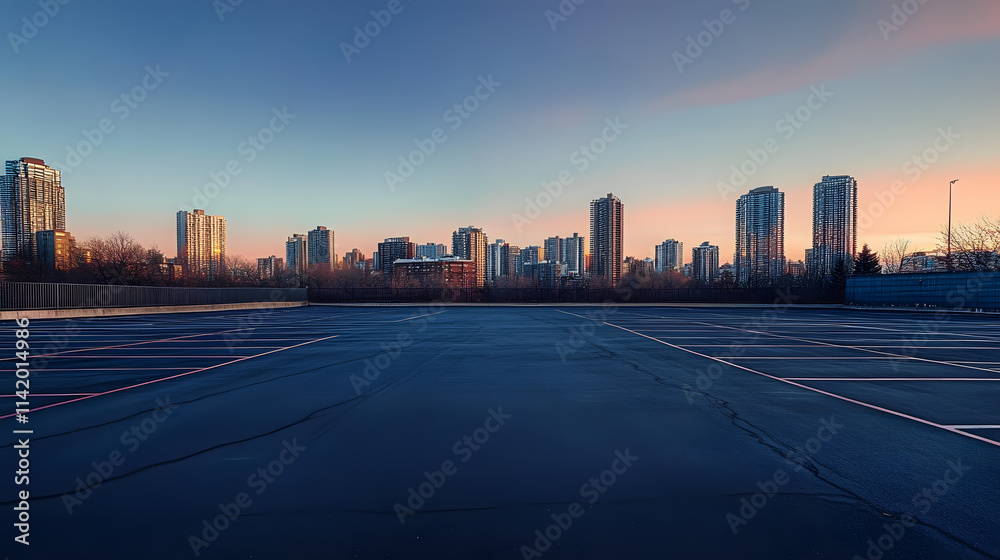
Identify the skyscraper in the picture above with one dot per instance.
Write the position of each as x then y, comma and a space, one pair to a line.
574, 255
32, 199
321, 248
670, 256
512, 256
760, 236
470, 243
835, 223
496, 260
297, 254
607, 217
553, 249
392, 249
704, 263
528, 257
201, 242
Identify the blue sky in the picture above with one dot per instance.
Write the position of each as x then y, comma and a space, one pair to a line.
221, 79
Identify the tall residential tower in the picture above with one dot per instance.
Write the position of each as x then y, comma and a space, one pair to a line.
835, 224
760, 236
201, 242
607, 217
32, 199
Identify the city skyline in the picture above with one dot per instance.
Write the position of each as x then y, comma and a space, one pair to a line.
902, 105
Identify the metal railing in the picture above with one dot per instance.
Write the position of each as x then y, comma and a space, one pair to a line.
948, 290
765, 296
23, 296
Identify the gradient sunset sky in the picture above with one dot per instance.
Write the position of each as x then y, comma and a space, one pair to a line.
894, 88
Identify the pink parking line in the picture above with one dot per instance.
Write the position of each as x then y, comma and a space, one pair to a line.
820, 391
51, 395
124, 345
891, 378
120, 389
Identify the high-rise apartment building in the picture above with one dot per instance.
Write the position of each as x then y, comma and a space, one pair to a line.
470, 243
705, 263
511, 256
496, 260
760, 236
669, 256
322, 252
531, 255
201, 242
297, 254
393, 249
607, 217
432, 250
32, 199
835, 224
553, 249
270, 267
573, 255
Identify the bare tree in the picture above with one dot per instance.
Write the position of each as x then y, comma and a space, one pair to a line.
894, 254
975, 246
117, 259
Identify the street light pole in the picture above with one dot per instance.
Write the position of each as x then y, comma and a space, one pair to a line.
950, 186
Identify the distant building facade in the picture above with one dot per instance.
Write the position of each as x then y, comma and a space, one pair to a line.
574, 251
354, 259
201, 242
393, 249
470, 243
56, 250
760, 235
321, 251
449, 272
432, 250
32, 199
607, 217
705, 263
669, 256
297, 254
270, 267
835, 224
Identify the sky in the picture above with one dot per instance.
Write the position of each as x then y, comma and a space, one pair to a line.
283, 116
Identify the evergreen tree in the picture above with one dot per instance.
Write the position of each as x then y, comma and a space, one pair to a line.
867, 262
